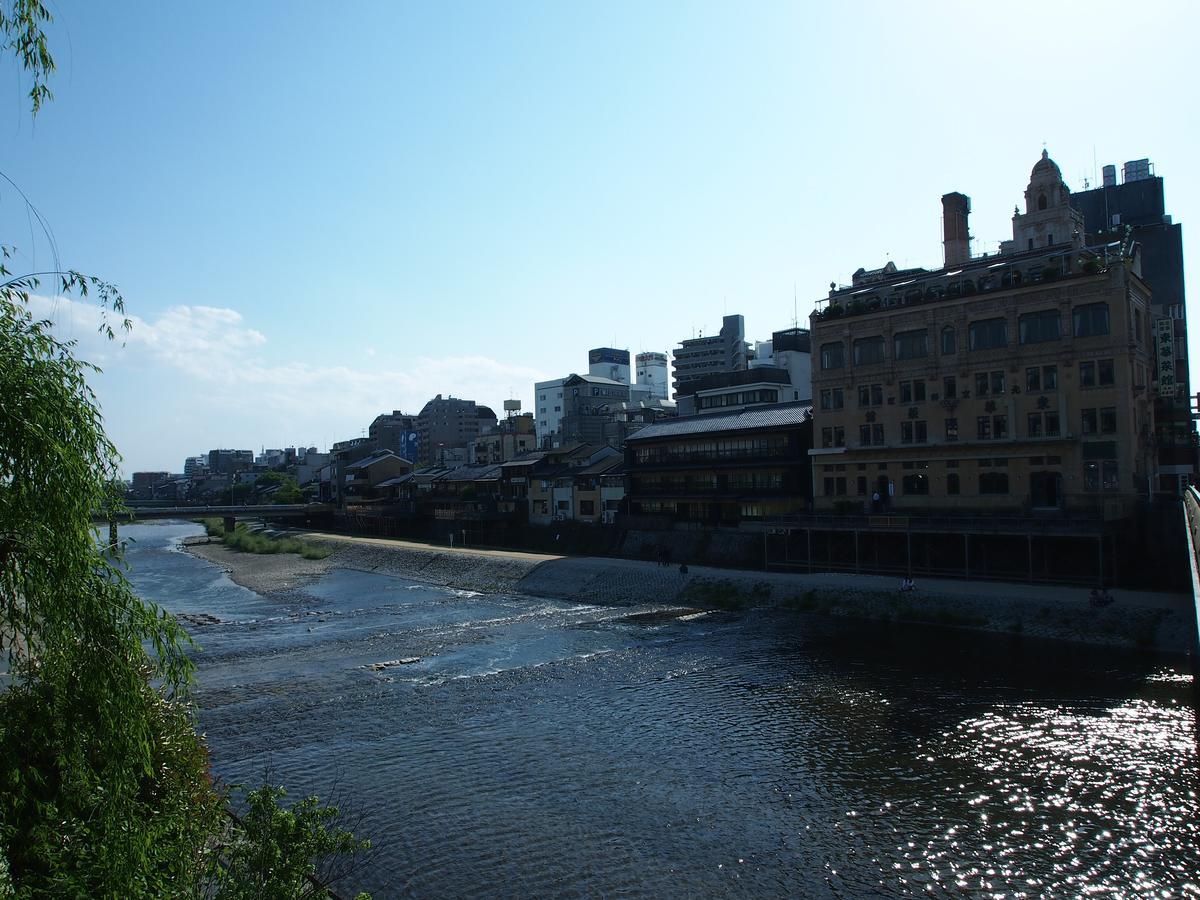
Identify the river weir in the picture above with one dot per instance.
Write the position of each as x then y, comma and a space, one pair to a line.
498, 743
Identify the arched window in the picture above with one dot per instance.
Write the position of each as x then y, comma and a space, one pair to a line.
1041, 201
949, 344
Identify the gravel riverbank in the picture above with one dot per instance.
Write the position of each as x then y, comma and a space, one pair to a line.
1136, 620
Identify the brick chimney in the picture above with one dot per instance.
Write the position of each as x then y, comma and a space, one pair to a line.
956, 238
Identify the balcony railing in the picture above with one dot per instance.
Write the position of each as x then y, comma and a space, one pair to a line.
932, 289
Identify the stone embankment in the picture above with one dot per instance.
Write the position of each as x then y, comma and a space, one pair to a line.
1136, 620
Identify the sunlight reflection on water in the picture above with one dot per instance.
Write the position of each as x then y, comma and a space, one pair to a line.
543, 748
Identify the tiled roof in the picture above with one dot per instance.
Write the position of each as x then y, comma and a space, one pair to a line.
392, 482
473, 473
526, 460
603, 466
373, 458
746, 420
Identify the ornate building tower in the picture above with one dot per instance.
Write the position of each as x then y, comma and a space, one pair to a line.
1049, 218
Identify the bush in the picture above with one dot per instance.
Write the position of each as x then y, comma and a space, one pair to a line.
277, 852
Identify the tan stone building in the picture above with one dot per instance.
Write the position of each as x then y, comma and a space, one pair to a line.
1019, 383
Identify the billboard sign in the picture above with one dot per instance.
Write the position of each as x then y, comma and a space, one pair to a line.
608, 355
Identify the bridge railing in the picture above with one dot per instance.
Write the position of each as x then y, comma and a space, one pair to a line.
1191, 507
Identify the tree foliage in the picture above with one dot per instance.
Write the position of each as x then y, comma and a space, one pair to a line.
21, 29
104, 782
276, 852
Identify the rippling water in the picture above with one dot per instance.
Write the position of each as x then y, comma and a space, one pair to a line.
542, 748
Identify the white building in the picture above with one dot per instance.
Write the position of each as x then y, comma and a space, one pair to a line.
652, 375
607, 362
547, 408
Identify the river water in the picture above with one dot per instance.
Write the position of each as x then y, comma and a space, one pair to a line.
550, 748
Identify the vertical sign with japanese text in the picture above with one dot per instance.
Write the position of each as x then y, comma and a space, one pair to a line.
1166, 357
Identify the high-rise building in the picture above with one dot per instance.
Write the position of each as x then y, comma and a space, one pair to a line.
450, 423
1135, 209
227, 462
397, 432
726, 351
547, 409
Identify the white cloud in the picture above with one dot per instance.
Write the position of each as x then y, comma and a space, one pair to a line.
224, 369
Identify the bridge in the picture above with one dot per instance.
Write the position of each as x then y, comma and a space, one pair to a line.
228, 514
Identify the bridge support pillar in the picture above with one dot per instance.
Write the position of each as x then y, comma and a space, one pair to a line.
230, 524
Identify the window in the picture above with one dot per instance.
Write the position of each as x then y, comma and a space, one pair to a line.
870, 395
989, 382
1106, 372
868, 351
1049, 378
833, 436
1108, 420
912, 391
949, 387
991, 427
832, 398
912, 344
949, 341
1101, 475
862, 485
1038, 327
1051, 419
1087, 374
993, 482
835, 487
1035, 425
990, 334
833, 356
587, 507
1091, 319
952, 483
1088, 420
915, 484
870, 435
913, 432
1033, 379
952, 429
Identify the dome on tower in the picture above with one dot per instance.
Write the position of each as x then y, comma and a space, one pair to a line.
1046, 166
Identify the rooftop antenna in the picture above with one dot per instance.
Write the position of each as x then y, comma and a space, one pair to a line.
795, 317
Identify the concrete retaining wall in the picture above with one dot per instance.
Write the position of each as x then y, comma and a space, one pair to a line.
1135, 620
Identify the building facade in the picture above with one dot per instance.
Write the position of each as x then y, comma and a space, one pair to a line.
723, 469
547, 405
726, 351
1136, 208
607, 362
652, 375
449, 424
1020, 383
397, 432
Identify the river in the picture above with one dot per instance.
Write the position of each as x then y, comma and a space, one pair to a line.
550, 748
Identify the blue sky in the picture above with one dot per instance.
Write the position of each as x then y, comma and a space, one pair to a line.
318, 214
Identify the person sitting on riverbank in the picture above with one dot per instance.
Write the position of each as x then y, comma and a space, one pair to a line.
907, 585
